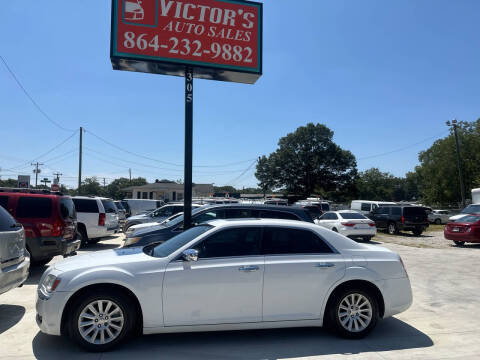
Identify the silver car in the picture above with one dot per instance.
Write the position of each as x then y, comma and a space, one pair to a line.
157, 215
439, 216
14, 258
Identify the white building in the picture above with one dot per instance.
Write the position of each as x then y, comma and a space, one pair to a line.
167, 190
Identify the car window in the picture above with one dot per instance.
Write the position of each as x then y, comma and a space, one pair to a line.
352, 216
125, 205
34, 207
231, 242
365, 207
325, 207
119, 205
468, 219
207, 216
240, 213
4, 201
384, 210
334, 216
267, 214
278, 241
168, 247
7, 222
314, 211
67, 208
109, 206
86, 205
396, 211
471, 209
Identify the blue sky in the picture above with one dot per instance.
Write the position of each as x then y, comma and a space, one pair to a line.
383, 75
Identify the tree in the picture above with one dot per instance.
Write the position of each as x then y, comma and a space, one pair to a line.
12, 183
307, 162
91, 186
115, 191
438, 171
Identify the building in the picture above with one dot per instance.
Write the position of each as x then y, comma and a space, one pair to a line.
167, 191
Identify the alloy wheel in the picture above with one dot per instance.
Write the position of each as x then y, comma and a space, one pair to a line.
101, 322
355, 312
391, 228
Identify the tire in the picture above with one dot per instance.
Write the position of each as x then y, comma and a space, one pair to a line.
82, 235
438, 221
94, 241
417, 231
335, 230
459, 243
118, 327
346, 320
367, 238
392, 228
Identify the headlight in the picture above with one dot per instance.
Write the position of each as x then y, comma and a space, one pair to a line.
131, 241
50, 283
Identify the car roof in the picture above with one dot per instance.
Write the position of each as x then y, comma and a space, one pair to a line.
292, 208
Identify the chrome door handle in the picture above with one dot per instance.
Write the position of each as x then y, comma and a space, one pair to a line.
250, 268
324, 265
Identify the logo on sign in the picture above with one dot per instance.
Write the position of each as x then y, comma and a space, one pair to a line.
140, 12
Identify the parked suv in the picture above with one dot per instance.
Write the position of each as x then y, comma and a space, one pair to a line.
97, 218
157, 215
397, 217
14, 258
163, 232
49, 220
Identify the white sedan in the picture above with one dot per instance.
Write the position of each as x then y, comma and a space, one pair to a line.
349, 223
224, 275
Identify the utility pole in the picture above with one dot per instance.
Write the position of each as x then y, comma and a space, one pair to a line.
58, 177
80, 162
36, 171
454, 125
130, 174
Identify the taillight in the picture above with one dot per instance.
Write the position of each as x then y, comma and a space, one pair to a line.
57, 228
402, 219
101, 219
348, 224
372, 224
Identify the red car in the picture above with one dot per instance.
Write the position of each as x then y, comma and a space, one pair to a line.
49, 220
465, 229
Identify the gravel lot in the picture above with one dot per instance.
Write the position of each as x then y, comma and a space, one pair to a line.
441, 324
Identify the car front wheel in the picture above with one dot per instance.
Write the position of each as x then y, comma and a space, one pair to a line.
102, 320
354, 313
392, 228
459, 243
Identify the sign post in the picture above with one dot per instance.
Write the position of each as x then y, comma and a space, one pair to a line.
204, 39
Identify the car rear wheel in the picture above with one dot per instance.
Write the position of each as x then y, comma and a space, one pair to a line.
335, 230
82, 235
354, 313
392, 228
367, 238
102, 320
459, 243
438, 221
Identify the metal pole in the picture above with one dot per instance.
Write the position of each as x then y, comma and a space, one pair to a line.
130, 174
80, 162
459, 164
187, 201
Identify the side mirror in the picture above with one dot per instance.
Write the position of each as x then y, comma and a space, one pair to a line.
190, 255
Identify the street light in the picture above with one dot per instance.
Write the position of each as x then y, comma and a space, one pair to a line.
454, 124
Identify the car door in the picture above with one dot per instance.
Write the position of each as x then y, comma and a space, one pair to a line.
326, 220
380, 216
300, 268
223, 286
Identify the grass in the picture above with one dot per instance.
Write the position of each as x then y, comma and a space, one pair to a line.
434, 227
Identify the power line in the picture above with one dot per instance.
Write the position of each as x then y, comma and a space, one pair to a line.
403, 148
160, 161
31, 98
232, 182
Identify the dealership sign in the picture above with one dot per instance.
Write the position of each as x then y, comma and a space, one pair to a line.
218, 39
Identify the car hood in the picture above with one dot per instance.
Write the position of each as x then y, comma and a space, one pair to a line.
139, 217
102, 258
147, 231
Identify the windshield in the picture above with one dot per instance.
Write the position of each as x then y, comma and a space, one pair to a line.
468, 219
175, 243
119, 205
352, 216
471, 209
179, 219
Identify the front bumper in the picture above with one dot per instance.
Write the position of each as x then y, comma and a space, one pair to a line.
47, 247
14, 276
49, 312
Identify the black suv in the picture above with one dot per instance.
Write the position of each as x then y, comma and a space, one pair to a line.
161, 233
396, 218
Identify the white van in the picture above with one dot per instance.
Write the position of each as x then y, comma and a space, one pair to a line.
365, 207
140, 206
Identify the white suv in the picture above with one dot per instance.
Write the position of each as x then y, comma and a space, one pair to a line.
96, 218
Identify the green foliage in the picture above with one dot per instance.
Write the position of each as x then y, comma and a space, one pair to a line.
307, 162
9, 183
438, 166
114, 189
